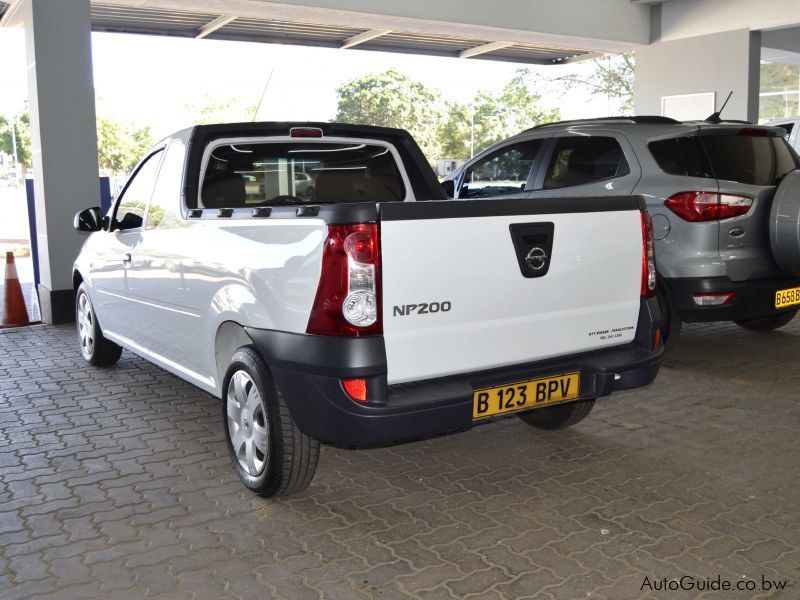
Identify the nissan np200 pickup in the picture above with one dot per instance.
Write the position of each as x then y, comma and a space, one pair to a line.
365, 308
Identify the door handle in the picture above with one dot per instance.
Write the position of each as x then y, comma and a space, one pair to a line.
126, 260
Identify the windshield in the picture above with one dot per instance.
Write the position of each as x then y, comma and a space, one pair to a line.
288, 173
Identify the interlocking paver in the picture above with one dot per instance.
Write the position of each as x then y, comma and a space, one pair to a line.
116, 483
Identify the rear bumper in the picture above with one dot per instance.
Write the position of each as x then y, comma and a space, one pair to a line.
752, 299
308, 371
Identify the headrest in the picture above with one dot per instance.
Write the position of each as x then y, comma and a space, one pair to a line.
223, 189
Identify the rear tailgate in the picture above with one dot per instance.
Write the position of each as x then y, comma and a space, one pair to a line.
460, 296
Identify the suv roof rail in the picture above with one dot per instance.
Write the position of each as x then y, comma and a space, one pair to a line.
642, 119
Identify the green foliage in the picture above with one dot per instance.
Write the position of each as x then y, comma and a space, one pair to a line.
392, 99
442, 129
22, 129
515, 108
611, 76
776, 77
120, 146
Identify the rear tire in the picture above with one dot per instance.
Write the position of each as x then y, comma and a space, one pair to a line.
95, 348
768, 323
270, 454
559, 416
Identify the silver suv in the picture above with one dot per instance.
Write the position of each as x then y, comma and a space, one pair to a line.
724, 199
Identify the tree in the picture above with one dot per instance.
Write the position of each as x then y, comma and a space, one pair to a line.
777, 77
20, 127
611, 76
120, 145
491, 117
392, 99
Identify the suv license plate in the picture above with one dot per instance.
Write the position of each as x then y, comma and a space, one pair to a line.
500, 399
790, 297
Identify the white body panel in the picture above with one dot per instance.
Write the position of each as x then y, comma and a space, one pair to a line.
497, 316
190, 280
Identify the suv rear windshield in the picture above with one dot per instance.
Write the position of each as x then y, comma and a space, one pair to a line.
749, 159
278, 174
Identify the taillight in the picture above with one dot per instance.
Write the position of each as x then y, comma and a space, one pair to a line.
648, 258
707, 206
348, 296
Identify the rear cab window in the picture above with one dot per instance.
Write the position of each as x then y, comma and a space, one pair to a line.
248, 173
749, 156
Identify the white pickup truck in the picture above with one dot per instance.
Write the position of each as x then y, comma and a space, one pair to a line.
366, 309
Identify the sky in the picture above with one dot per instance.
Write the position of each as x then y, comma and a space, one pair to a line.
150, 80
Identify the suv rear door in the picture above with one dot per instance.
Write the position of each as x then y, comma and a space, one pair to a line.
587, 163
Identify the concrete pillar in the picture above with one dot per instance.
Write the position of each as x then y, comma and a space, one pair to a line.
63, 137
718, 63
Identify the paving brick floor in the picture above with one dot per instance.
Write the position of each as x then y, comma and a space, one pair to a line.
116, 483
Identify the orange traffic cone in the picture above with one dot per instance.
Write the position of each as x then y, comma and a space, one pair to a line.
14, 311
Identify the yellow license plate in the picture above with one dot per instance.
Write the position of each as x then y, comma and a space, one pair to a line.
524, 394
788, 297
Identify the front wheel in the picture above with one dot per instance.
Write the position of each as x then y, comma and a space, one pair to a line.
96, 349
559, 416
768, 323
270, 454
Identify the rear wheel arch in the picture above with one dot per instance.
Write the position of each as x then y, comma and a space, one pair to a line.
229, 337
77, 280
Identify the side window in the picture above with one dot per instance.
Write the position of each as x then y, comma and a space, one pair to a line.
502, 172
131, 207
681, 156
164, 208
578, 160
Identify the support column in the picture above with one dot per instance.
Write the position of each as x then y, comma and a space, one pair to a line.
63, 139
718, 63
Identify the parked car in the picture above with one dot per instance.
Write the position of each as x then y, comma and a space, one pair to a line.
369, 317
792, 127
303, 184
724, 199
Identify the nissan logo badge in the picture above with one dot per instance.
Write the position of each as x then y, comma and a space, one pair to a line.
536, 258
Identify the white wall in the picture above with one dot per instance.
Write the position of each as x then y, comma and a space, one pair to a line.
719, 63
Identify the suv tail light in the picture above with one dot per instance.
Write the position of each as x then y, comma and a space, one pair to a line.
707, 206
348, 297
648, 258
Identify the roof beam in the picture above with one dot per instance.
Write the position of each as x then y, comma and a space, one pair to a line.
483, 49
364, 37
212, 26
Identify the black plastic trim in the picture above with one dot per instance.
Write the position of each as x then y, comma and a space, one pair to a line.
262, 211
752, 299
320, 354
406, 211
224, 213
308, 211
308, 370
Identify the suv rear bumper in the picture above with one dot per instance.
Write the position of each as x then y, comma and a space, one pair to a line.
752, 299
308, 371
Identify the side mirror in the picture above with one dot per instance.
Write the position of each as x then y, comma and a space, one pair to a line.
89, 220
449, 188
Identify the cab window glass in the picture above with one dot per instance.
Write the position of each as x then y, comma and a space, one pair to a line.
281, 174
164, 205
130, 211
578, 160
502, 172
